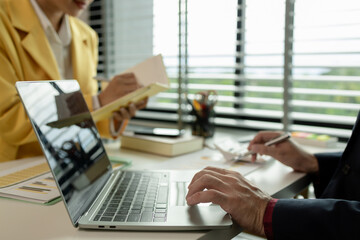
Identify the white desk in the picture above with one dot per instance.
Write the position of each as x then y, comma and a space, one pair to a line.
19, 220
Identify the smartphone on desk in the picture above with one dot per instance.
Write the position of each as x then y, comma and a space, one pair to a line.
161, 132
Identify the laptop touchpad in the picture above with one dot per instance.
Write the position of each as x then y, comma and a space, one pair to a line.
178, 193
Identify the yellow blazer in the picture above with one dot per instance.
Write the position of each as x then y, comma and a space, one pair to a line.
26, 55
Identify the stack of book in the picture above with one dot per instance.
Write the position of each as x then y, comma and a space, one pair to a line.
165, 146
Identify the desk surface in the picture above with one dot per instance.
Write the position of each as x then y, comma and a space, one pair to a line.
19, 220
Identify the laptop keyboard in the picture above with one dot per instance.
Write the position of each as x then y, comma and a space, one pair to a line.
136, 197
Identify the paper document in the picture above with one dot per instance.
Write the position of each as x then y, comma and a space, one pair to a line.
231, 150
14, 172
28, 180
204, 158
41, 189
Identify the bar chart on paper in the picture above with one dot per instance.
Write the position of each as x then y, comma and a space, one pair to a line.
30, 181
22, 175
39, 186
41, 189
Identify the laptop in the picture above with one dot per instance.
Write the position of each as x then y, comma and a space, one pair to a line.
95, 195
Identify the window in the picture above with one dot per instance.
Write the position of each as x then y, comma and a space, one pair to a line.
326, 65
292, 65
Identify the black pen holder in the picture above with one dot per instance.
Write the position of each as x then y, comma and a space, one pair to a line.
204, 124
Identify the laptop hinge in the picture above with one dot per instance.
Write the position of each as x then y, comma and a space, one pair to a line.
104, 192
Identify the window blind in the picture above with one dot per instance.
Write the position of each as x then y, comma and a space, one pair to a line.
326, 66
97, 22
292, 65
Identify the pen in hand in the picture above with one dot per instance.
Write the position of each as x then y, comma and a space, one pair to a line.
273, 141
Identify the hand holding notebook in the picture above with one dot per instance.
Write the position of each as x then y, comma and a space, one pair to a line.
150, 74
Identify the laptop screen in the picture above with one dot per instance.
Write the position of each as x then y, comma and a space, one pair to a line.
69, 139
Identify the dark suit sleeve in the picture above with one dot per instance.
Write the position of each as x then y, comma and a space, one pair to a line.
328, 163
316, 219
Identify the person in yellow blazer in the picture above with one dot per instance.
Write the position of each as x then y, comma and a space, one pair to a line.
26, 55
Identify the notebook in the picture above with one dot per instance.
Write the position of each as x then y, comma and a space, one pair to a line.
95, 195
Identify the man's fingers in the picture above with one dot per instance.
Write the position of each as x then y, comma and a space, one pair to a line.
199, 175
206, 180
212, 170
211, 195
211, 180
263, 150
219, 170
263, 137
253, 157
